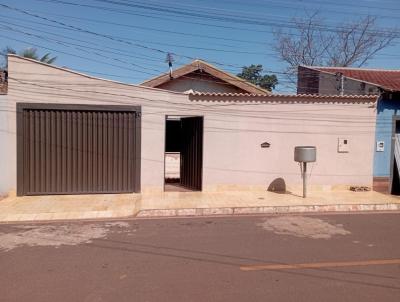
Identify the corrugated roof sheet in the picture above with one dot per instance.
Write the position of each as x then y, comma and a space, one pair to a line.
385, 79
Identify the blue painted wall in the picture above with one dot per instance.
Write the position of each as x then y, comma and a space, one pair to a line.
386, 109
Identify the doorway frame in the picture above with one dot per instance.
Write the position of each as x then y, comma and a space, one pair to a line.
165, 145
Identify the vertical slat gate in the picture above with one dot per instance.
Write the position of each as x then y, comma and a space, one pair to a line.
191, 163
76, 151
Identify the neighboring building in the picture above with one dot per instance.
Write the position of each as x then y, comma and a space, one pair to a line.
363, 81
346, 80
200, 76
69, 133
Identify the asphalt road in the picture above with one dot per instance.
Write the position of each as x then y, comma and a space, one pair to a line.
353, 257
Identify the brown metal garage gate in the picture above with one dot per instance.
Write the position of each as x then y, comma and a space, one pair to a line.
77, 149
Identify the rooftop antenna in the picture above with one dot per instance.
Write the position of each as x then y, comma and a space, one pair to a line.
170, 59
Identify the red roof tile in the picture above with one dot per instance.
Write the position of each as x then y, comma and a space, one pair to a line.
278, 98
386, 79
281, 95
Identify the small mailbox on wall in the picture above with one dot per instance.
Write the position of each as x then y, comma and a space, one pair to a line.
343, 145
265, 145
380, 146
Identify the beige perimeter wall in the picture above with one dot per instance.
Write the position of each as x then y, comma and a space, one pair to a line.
232, 135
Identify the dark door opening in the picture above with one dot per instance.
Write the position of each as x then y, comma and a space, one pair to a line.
395, 159
183, 153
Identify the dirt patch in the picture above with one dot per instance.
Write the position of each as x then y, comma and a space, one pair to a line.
300, 226
57, 235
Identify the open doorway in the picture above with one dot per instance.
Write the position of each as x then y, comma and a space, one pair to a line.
395, 158
183, 153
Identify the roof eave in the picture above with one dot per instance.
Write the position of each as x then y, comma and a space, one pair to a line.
202, 65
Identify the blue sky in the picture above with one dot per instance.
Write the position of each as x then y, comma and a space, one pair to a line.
139, 37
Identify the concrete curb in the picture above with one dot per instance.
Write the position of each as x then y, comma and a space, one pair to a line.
193, 212
268, 210
66, 216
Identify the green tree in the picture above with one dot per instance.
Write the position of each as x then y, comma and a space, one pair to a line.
31, 53
254, 74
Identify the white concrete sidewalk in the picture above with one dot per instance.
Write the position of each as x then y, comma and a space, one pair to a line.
65, 207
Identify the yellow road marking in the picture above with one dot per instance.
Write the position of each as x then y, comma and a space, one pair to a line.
318, 265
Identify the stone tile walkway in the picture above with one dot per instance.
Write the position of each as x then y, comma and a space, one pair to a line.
65, 207
251, 202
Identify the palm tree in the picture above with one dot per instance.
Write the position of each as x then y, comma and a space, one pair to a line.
30, 53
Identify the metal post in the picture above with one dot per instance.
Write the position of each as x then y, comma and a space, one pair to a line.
341, 84
304, 170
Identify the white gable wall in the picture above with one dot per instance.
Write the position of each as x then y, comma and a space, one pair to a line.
199, 84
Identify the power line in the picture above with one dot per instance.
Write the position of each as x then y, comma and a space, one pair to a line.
202, 48
273, 4
197, 79
178, 12
191, 47
217, 17
73, 55
167, 31
205, 107
73, 28
157, 29
91, 59
119, 50
102, 35
154, 15
70, 44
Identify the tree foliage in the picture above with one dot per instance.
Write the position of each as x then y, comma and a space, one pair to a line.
313, 42
31, 53
253, 74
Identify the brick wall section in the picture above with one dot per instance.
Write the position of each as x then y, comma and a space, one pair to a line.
3, 83
381, 184
307, 81
3, 88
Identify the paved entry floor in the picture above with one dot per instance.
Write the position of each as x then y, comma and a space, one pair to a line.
61, 207
175, 187
299, 258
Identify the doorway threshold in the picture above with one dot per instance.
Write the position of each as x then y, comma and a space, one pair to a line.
175, 187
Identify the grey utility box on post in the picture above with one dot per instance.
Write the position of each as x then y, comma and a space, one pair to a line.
304, 155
